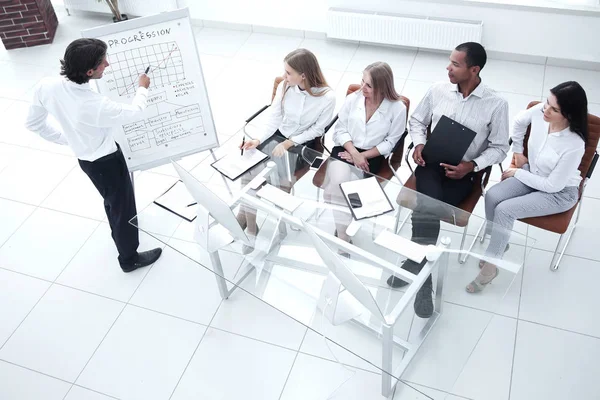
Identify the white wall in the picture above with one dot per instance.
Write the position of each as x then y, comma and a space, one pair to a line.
538, 33
528, 32
305, 15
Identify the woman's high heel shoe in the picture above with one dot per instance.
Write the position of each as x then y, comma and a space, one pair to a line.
481, 281
482, 262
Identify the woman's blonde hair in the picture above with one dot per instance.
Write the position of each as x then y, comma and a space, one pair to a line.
382, 82
304, 62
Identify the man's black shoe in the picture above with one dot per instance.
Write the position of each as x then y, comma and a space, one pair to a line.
395, 282
144, 259
410, 266
424, 302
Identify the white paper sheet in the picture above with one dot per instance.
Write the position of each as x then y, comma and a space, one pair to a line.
373, 198
234, 164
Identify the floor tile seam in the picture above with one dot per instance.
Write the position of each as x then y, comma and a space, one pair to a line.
544, 79
446, 392
558, 328
91, 390
202, 324
195, 350
35, 371
67, 286
56, 153
25, 317
51, 209
412, 65
494, 314
78, 250
293, 363
514, 353
100, 344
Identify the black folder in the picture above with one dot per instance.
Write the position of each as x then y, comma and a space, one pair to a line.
448, 142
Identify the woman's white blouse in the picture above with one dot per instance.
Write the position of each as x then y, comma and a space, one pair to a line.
383, 130
302, 118
554, 158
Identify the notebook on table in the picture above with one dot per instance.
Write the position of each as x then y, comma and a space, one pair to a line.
234, 164
366, 198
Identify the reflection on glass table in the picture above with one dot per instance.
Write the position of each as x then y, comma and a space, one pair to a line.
284, 233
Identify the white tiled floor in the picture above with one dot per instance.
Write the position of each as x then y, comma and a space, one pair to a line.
74, 327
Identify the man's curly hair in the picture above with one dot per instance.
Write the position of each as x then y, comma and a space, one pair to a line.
81, 56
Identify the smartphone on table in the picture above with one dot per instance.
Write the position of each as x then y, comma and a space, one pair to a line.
354, 200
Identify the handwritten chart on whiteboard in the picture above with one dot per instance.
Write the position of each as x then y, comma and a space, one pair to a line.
178, 119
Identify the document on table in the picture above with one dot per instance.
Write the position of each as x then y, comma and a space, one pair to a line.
233, 165
179, 201
279, 198
373, 198
402, 246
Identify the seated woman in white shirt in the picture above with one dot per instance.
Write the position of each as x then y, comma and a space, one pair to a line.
370, 123
302, 108
548, 181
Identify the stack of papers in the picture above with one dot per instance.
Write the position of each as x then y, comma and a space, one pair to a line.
233, 165
279, 198
179, 201
373, 198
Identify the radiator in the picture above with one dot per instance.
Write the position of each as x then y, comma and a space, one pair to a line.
401, 30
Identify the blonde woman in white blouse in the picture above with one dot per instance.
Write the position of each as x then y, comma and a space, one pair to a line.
302, 108
370, 123
545, 183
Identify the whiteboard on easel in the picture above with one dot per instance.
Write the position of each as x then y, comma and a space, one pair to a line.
178, 120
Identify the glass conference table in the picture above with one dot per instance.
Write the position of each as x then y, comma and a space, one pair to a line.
337, 289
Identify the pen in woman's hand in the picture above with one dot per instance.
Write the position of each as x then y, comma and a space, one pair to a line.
243, 142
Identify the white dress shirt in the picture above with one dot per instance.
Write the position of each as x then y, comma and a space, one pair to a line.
86, 117
553, 158
302, 118
483, 111
384, 129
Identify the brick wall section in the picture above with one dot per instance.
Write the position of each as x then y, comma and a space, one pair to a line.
27, 23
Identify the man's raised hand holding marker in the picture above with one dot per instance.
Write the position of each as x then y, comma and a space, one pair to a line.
144, 81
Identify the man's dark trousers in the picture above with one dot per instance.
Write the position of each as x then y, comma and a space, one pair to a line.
433, 182
111, 177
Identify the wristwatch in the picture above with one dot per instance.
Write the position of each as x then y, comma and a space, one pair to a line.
475, 166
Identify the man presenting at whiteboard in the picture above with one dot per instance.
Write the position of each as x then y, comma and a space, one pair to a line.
86, 120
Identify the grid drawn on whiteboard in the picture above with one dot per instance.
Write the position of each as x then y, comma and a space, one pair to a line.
164, 60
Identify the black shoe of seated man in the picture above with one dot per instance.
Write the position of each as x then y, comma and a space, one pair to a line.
410, 266
424, 301
144, 259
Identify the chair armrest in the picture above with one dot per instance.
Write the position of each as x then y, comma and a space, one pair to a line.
410, 147
391, 155
256, 114
399, 143
329, 125
327, 128
486, 173
592, 166
323, 144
